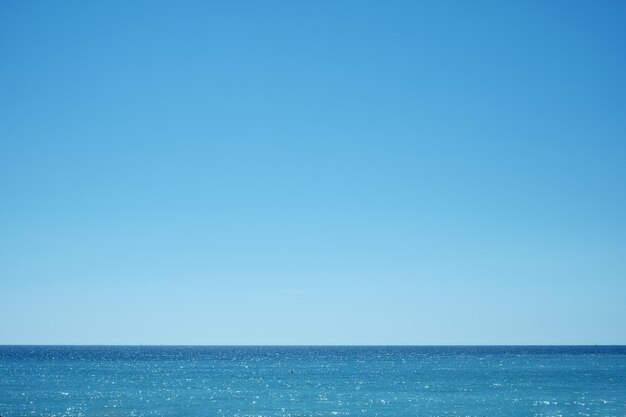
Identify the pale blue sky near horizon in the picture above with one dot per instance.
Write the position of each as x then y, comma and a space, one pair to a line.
350, 172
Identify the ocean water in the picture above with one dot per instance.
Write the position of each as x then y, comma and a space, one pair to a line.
312, 381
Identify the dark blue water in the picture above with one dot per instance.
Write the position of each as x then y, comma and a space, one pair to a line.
312, 381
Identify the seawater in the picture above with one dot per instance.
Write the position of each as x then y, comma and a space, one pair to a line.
312, 381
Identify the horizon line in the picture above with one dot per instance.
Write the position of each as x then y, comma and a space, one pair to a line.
308, 345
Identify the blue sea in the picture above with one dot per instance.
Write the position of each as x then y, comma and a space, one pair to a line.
312, 381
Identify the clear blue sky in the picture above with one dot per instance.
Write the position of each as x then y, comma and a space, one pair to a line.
312, 172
